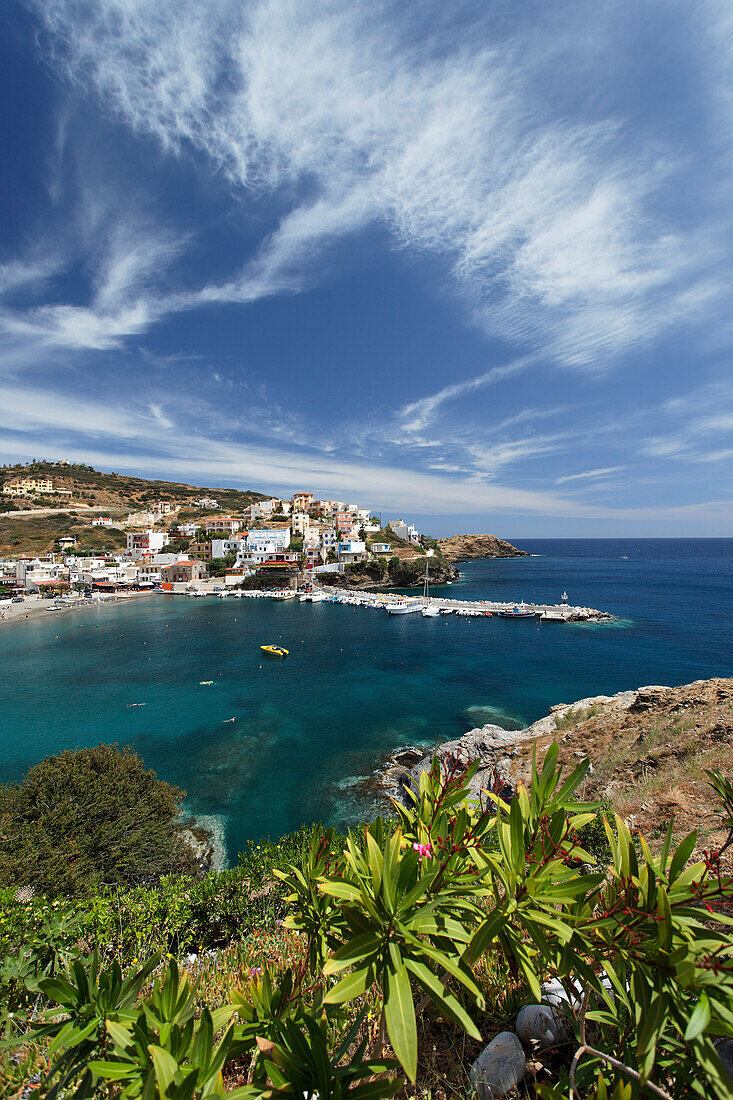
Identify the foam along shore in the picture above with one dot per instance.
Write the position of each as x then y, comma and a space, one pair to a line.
562, 613
34, 607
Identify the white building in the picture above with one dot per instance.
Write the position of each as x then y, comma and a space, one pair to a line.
221, 547
299, 523
230, 524
406, 531
205, 502
140, 544
276, 536
381, 549
329, 539
102, 521
352, 550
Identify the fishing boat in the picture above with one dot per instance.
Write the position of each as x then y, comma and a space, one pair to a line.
520, 612
275, 650
402, 607
285, 594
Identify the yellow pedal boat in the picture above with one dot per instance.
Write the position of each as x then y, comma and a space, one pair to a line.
275, 650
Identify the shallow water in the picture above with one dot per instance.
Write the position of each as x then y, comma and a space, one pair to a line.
358, 683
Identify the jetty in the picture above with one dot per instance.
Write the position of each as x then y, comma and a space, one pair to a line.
550, 613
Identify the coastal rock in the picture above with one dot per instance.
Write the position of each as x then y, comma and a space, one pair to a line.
540, 1027
463, 547
499, 1067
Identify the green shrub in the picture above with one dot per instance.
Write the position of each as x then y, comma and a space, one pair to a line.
86, 817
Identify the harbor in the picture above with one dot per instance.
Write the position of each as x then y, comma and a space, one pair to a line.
398, 604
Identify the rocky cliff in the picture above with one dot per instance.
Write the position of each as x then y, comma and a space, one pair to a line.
399, 573
648, 751
462, 547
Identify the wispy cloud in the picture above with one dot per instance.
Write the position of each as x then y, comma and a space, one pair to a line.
589, 475
441, 136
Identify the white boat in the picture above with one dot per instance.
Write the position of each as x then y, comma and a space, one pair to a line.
431, 612
402, 607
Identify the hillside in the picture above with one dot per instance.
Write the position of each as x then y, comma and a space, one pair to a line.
463, 547
94, 492
99, 490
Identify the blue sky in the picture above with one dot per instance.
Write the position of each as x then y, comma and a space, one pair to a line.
468, 262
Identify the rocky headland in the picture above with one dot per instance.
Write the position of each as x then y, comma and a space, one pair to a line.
465, 547
399, 573
648, 750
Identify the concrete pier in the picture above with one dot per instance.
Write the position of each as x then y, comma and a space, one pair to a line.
554, 613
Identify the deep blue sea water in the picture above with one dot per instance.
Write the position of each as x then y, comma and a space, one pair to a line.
358, 683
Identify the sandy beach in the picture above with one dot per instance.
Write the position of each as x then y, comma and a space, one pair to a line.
34, 607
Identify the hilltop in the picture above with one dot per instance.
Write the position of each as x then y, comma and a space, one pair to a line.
95, 489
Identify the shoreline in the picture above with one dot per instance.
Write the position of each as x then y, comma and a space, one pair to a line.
34, 607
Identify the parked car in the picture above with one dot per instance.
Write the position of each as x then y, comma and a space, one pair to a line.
18, 599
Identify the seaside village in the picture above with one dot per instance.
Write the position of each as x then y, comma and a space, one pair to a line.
285, 539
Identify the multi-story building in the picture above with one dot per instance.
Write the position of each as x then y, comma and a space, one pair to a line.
300, 522
381, 549
221, 547
201, 548
184, 530
406, 531
183, 571
27, 486
302, 502
352, 550
277, 536
205, 502
230, 524
142, 543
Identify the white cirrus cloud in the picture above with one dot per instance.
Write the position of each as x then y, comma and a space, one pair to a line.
350, 114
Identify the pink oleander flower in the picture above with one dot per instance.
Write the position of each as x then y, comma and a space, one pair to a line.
256, 971
423, 849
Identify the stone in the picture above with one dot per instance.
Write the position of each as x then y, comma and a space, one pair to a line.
499, 1067
554, 993
724, 1050
540, 1027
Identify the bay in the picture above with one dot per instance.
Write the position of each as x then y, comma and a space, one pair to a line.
358, 683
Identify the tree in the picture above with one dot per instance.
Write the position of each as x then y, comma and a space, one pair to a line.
90, 816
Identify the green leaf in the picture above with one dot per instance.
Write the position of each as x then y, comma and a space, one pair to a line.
113, 1071
353, 985
683, 851
445, 1000
164, 1064
361, 947
700, 1017
399, 1015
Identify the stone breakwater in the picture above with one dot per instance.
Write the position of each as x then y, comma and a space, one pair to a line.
496, 749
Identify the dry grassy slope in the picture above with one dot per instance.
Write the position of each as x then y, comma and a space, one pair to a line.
649, 761
112, 494
120, 491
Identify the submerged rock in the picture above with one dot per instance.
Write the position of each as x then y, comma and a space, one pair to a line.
499, 1067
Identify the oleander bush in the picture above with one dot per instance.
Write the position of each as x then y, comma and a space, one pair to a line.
437, 924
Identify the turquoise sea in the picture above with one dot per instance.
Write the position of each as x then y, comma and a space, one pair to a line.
358, 683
